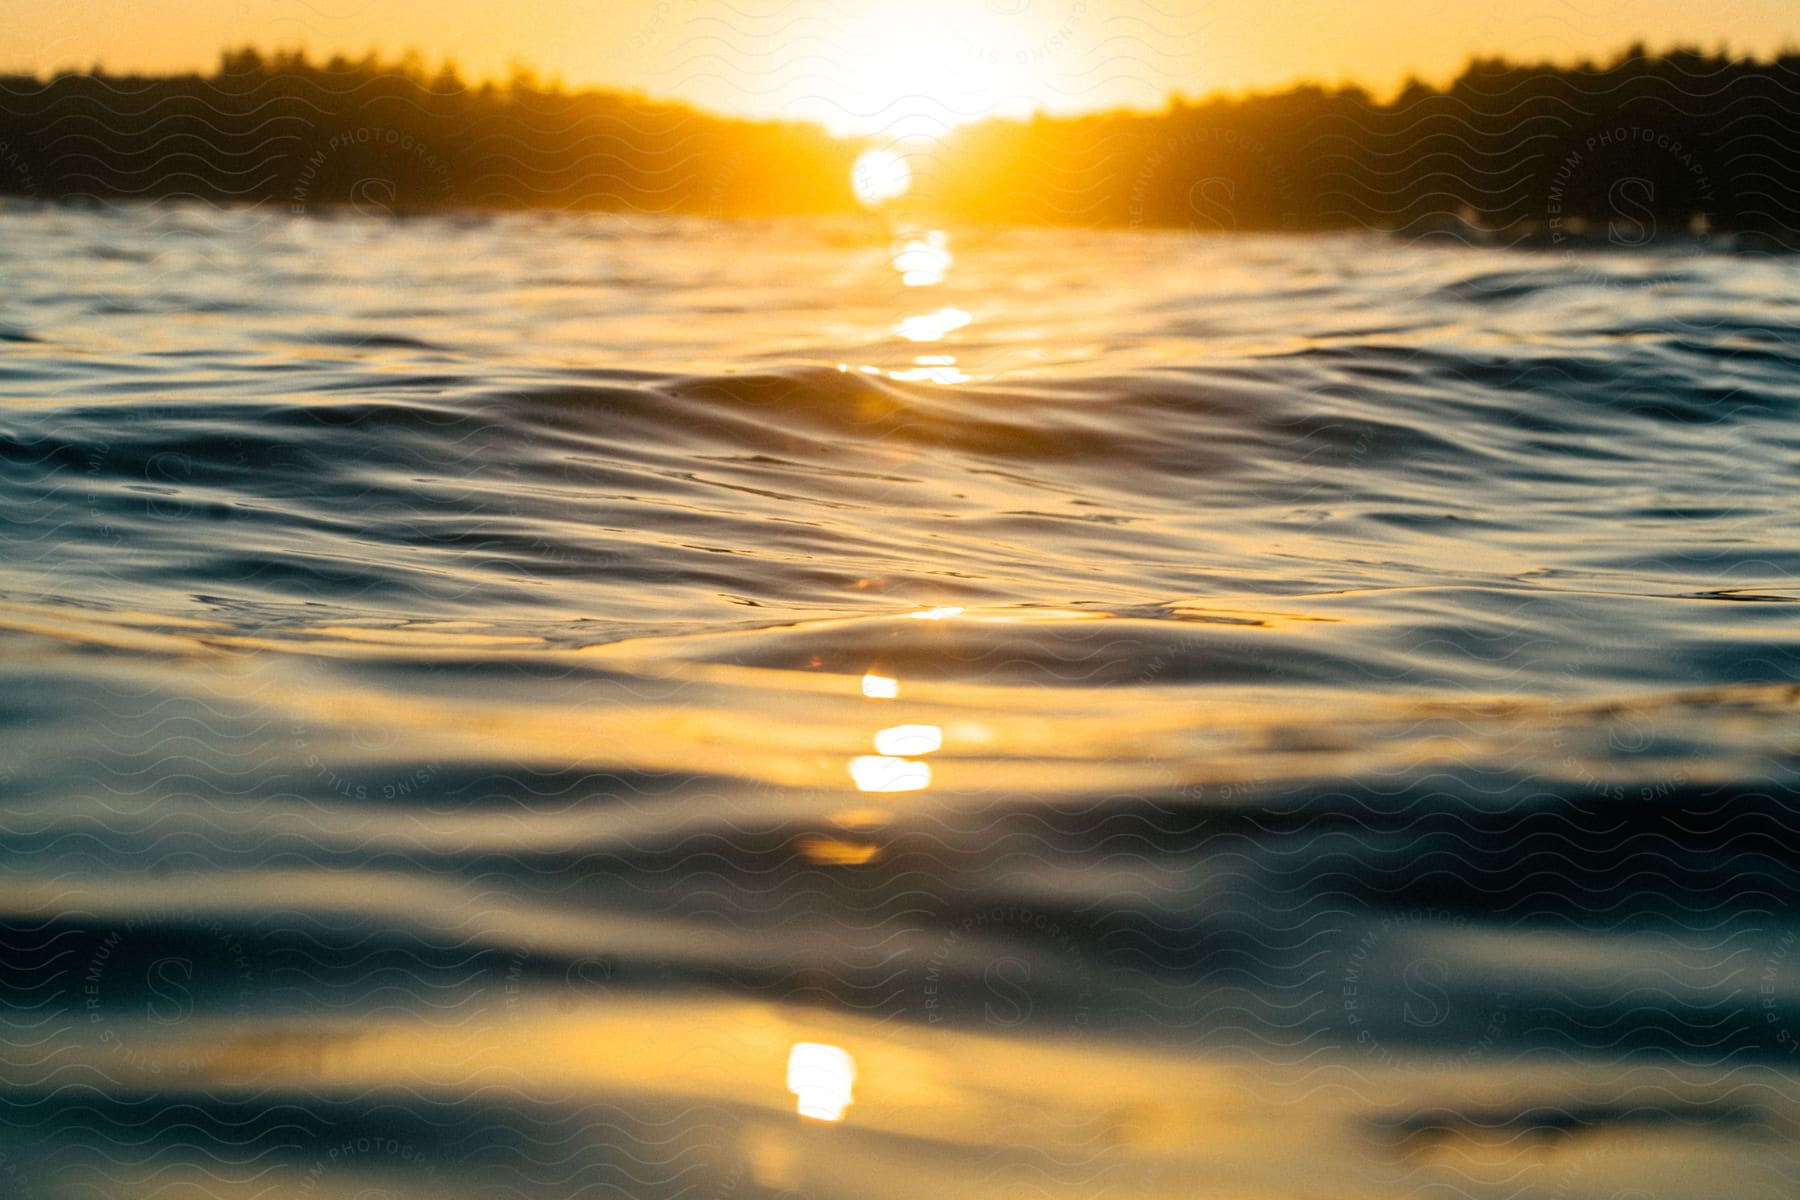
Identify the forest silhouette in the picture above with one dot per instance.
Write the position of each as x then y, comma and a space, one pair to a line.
1644, 145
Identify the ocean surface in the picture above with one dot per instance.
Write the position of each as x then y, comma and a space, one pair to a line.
562, 706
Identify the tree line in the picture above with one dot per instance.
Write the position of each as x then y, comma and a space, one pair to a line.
1643, 145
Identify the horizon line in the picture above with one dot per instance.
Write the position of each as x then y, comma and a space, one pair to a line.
412, 65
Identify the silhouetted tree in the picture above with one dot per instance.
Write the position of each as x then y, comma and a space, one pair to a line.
1641, 146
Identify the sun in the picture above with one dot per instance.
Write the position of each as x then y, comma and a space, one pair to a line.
880, 176
915, 71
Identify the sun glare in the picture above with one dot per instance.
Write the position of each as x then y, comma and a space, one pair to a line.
880, 176
880, 687
917, 70
822, 1079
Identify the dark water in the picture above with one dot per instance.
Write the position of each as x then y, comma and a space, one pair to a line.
1235, 718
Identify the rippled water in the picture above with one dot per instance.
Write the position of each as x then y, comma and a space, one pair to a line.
1176, 717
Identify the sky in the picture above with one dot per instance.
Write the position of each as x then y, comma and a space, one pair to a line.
901, 66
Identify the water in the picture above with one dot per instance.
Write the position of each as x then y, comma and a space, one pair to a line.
1186, 717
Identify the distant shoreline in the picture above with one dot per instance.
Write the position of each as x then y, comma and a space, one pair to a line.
1643, 149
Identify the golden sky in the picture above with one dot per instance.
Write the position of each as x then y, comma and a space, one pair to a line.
870, 65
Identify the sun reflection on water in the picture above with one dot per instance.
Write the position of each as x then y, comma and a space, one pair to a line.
932, 326
837, 852
941, 613
821, 1077
930, 368
925, 260
893, 767
903, 740
889, 773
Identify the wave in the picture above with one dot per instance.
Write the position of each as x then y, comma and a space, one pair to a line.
1265, 686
